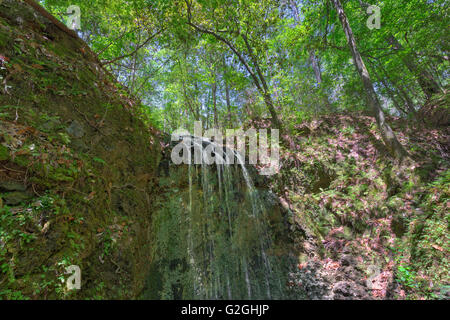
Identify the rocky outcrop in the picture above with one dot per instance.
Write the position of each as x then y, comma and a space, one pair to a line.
77, 166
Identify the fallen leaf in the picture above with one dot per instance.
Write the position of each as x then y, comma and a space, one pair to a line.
437, 247
46, 227
37, 66
17, 68
90, 196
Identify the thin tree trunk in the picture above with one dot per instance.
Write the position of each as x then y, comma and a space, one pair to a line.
312, 56
387, 134
318, 73
264, 89
405, 97
424, 77
227, 99
393, 93
255, 72
197, 102
195, 111
315, 65
133, 77
214, 98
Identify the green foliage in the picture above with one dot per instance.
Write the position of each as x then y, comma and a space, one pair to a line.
406, 277
175, 66
298, 53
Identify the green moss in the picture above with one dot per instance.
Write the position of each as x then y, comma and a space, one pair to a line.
4, 153
3, 39
61, 177
81, 193
22, 160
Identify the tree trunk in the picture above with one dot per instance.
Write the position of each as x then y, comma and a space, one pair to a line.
403, 94
318, 73
197, 103
315, 65
262, 85
214, 98
387, 134
424, 77
255, 72
312, 56
394, 94
195, 112
133, 76
227, 98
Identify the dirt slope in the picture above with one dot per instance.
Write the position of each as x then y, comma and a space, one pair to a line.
374, 228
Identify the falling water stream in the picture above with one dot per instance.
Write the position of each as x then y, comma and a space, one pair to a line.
216, 235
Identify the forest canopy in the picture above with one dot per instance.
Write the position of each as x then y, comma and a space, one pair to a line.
223, 62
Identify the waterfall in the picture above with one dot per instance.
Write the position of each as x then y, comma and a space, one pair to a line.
226, 248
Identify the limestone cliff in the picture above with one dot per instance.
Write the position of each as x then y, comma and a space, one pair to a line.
77, 166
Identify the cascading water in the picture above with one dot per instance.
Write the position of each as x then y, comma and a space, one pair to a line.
214, 236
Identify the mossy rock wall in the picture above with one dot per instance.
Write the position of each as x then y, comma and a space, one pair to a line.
86, 158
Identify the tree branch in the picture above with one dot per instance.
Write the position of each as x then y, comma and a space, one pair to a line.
135, 50
228, 43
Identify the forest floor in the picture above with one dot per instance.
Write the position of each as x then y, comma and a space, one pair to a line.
374, 228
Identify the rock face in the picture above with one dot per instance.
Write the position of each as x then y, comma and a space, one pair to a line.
11, 186
75, 129
17, 197
76, 181
224, 235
